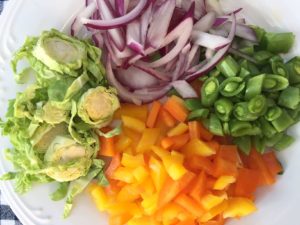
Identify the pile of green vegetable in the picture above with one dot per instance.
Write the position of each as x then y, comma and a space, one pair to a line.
54, 124
252, 95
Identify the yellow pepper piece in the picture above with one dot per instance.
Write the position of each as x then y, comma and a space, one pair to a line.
147, 188
132, 161
129, 193
223, 182
140, 174
181, 128
238, 207
144, 220
99, 196
213, 212
175, 170
123, 143
210, 201
118, 208
198, 147
149, 204
170, 213
137, 111
124, 174
149, 138
133, 123
178, 157
157, 173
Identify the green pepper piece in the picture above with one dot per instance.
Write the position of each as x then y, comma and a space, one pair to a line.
223, 108
283, 121
243, 143
273, 113
267, 129
242, 128
193, 104
293, 67
228, 67
284, 142
198, 114
254, 86
259, 144
279, 42
274, 83
289, 97
210, 91
232, 86
242, 113
214, 125
258, 105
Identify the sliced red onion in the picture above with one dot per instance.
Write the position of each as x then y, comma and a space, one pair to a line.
209, 40
154, 72
200, 8
110, 23
145, 20
120, 7
193, 56
98, 40
112, 54
214, 5
86, 13
171, 65
135, 78
209, 53
220, 20
242, 31
181, 65
177, 17
206, 22
179, 3
158, 26
217, 57
133, 38
184, 89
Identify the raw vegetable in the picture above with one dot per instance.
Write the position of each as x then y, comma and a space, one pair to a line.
53, 124
183, 176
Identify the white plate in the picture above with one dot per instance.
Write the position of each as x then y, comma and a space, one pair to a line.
277, 205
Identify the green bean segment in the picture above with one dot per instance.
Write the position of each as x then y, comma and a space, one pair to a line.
275, 83
223, 109
289, 98
228, 67
232, 86
242, 113
209, 91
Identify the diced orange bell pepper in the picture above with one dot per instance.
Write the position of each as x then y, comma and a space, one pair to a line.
107, 146
181, 128
213, 145
272, 163
149, 138
194, 129
144, 220
133, 123
122, 143
175, 142
153, 114
198, 147
214, 212
205, 134
238, 207
197, 163
157, 173
198, 188
114, 164
187, 222
189, 204
129, 193
175, 106
137, 111
210, 201
167, 119
229, 153
167, 142
147, 187
124, 174
170, 213
119, 219
140, 174
132, 161
172, 188
223, 167
247, 182
223, 182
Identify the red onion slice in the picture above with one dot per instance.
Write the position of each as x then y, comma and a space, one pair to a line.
133, 38
158, 26
209, 40
214, 5
184, 89
110, 23
181, 64
206, 22
200, 8
154, 72
242, 31
193, 56
217, 57
145, 20
120, 7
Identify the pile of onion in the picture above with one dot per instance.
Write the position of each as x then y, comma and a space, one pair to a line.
151, 46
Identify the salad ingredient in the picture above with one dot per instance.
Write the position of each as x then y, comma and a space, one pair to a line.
53, 124
190, 177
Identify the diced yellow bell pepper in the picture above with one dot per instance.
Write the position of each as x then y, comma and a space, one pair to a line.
149, 204
140, 174
178, 157
118, 208
147, 187
99, 196
210, 201
144, 220
137, 111
124, 174
181, 128
131, 161
129, 151
119, 219
160, 152
157, 173
129, 193
223, 182
133, 123
213, 212
198, 147
149, 138
238, 207
123, 143
176, 170
170, 213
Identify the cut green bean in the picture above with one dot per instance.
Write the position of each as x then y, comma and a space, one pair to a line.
254, 86
273, 95
258, 105
267, 129
223, 108
267, 69
262, 57
243, 143
275, 83
242, 113
243, 128
259, 144
193, 104
226, 129
198, 114
232, 86
260, 33
293, 67
279, 42
289, 97
251, 67
270, 102
273, 113
244, 73
228, 67
284, 142
209, 91
249, 50
214, 125
283, 121
279, 68
270, 142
